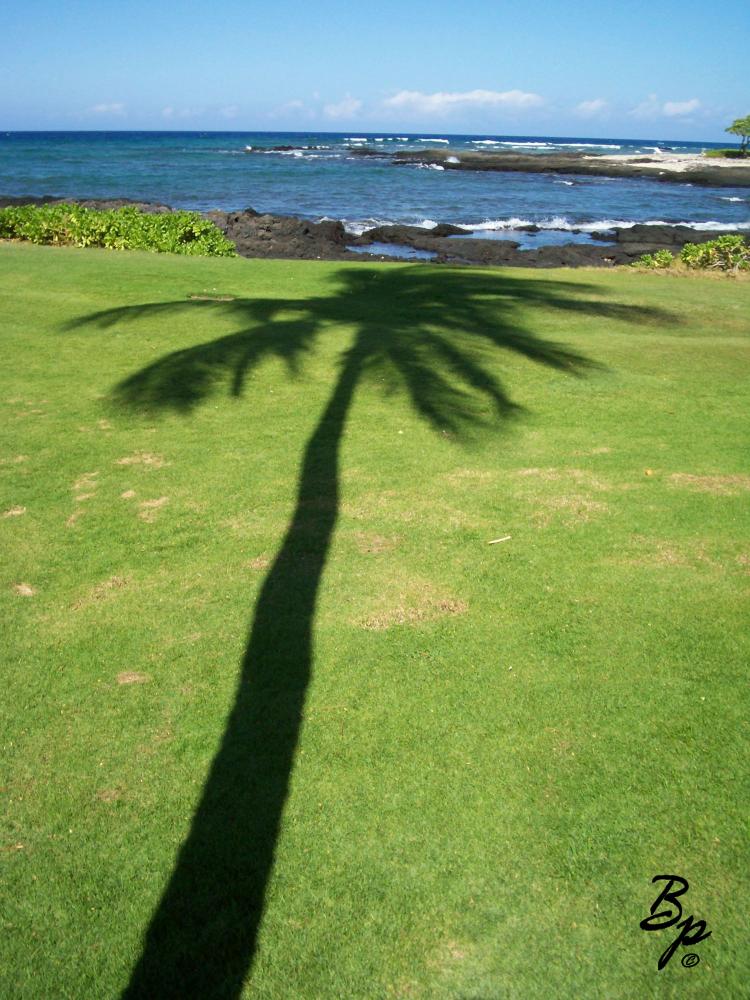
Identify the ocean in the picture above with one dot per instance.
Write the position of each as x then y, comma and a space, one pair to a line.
321, 179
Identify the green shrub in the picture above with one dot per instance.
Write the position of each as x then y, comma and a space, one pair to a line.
117, 229
659, 259
732, 153
727, 253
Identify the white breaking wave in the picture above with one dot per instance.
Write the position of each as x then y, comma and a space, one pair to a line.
549, 144
434, 140
560, 222
723, 197
430, 166
356, 227
355, 139
452, 159
402, 138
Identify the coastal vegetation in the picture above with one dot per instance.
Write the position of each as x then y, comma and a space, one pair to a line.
729, 153
725, 253
125, 228
370, 630
741, 128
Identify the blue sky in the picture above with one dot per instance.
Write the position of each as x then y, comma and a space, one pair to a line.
663, 70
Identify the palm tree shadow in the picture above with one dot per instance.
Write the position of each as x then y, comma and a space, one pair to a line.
429, 332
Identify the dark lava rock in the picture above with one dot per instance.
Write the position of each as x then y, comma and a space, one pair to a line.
577, 163
406, 235
446, 229
282, 236
657, 237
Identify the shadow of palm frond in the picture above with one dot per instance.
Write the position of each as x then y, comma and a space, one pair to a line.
428, 332
432, 334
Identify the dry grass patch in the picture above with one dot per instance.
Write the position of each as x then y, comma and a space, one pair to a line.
581, 477
109, 794
14, 512
658, 552
101, 591
576, 508
369, 544
132, 677
259, 563
720, 485
149, 509
412, 610
24, 589
144, 458
85, 486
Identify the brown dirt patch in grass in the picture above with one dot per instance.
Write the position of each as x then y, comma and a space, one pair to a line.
719, 485
109, 794
472, 475
657, 552
144, 458
100, 591
127, 495
149, 509
576, 508
581, 477
14, 512
601, 450
430, 609
24, 589
16, 460
73, 518
132, 677
260, 562
86, 481
374, 544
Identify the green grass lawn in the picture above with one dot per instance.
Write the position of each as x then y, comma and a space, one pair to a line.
274, 712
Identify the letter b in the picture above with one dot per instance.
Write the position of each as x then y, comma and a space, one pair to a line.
659, 919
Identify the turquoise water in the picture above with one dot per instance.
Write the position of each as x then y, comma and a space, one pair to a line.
213, 170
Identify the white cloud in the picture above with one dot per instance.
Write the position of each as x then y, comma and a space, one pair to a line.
442, 103
652, 107
292, 106
674, 109
231, 111
347, 108
169, 112
588, 109
107, 109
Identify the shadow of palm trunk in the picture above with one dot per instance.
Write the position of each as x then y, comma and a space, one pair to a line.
203, 935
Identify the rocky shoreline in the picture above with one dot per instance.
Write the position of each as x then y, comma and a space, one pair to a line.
262, 235
662, 167
659, 166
